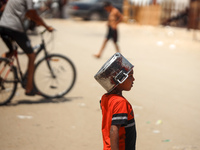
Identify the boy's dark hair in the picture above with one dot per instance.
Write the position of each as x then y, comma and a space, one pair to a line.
106, 4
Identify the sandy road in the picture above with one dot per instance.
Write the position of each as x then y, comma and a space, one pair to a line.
165, 95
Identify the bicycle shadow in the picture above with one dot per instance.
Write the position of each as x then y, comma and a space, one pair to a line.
43, 101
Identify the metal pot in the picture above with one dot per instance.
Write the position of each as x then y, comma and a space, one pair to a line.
114, 72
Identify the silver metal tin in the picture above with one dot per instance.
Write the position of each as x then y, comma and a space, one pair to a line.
114, 72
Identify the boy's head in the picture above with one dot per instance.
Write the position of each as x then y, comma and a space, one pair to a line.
107, 6
114, 72
127, 84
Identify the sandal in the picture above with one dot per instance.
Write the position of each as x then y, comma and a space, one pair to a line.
32, 93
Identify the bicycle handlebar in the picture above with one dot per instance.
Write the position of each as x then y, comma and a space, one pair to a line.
45, 31
37, 46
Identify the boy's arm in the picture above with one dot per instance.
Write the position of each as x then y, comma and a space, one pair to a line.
119, 16
114, 137
32, 14
2, 7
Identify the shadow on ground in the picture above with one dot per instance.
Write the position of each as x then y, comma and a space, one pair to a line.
43, 101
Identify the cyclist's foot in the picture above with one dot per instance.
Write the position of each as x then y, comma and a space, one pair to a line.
32, 93
7, 55
3, 55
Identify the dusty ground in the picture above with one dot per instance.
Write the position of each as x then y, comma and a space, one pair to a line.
165, 95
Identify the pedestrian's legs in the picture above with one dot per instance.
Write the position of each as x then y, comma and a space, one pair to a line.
116, 46
102, 49
29, 86
115, 37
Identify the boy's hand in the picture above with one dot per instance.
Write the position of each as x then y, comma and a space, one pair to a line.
114, 26
49, 28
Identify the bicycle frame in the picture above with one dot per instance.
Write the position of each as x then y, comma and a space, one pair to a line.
43, 47
45, 68
3, 69
22, 77
16, 68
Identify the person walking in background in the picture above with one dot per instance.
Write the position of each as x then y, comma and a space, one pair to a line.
118, 123
62, 4
12, 29
114, 18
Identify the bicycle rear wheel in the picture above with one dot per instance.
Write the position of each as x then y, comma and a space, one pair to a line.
8, 83
54, 76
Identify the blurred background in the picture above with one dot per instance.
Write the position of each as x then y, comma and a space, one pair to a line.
178, 13
160, 37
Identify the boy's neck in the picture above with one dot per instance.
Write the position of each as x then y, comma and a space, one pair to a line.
116, 92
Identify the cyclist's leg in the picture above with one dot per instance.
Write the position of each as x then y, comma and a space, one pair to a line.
8, 41
24, 43
29, 86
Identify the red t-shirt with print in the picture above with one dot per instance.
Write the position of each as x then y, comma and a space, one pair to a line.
116, 110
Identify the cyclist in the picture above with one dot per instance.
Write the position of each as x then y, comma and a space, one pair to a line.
12, 29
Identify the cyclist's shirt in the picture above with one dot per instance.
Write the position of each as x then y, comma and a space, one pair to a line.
14, 14
116, 110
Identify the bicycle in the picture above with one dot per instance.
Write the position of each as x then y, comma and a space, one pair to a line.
54, 75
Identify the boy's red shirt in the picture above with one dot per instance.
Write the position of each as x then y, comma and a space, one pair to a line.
116, 110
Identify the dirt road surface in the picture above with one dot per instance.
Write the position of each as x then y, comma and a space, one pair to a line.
165, 96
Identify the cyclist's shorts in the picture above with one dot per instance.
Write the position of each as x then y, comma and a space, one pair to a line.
112, 34
9, 35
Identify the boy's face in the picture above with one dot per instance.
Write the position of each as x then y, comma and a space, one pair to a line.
107, 8
128, 83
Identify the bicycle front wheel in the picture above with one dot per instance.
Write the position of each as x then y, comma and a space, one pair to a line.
8, 83
54, 76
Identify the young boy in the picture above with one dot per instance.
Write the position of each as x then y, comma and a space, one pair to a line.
118, 124
114, 18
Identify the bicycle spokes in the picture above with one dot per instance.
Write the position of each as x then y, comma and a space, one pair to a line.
8, 81
54, 76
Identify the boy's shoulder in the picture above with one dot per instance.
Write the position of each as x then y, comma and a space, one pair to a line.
113, 98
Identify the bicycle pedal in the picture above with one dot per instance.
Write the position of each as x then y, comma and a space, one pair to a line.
53, 87
54, 59
2, 87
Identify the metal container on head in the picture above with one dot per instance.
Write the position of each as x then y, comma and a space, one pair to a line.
114, 72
